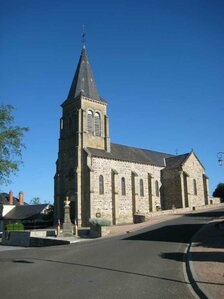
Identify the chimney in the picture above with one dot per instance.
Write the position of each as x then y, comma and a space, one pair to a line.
10, 197
21, 198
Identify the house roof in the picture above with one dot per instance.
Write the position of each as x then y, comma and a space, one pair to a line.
4, 199
25, 212
131, 154
83, 82
176, 161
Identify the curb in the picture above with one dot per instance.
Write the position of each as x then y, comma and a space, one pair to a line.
192, 276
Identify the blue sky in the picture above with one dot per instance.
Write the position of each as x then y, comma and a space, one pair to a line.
158, 63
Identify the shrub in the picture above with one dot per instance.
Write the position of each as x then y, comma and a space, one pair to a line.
100, 221
219, 191
14, 226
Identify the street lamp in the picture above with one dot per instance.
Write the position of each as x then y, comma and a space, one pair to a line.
220, 157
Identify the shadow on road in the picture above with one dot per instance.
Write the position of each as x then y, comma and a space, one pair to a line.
172, 233
183, 233
207, 214
212, 256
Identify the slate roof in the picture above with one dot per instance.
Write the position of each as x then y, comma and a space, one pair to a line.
83, 82
176, 161
4, 199
25, 212
131, 154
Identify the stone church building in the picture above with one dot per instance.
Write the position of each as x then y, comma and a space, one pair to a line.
115, 181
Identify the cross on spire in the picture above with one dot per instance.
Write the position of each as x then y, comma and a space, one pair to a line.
83, 37
83, 81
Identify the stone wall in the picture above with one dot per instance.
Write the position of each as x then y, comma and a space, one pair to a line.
171, 189
101, 108
176, 188
195, 171
184, 210
215, 200
112, 202
185, 186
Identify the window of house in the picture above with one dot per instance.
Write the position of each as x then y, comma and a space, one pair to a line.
195, 187
123, 187
97, 124
157, 188
141, 185
90, 122
101, 185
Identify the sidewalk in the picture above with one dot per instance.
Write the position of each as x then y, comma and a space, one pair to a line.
127, 228
206, 260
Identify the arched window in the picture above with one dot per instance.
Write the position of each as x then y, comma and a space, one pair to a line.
90, 121
157, 188
97, 124
101, 185
141, 185
195, 187
123, 187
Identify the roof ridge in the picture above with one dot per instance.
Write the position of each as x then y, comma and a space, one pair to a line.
144, 149
186, 154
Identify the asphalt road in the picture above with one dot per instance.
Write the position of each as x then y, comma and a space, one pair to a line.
144, 264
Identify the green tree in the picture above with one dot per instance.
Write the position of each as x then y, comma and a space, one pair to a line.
11, 144
35, 201
219, 191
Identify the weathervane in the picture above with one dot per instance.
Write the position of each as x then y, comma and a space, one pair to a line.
83, 37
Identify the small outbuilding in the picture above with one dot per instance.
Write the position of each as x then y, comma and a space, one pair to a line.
15, 210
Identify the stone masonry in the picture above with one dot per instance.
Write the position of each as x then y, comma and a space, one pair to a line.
113, 181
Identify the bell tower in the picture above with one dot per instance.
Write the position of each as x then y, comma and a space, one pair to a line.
84, 123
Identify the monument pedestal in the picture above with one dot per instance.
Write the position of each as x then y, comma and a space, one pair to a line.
67, 225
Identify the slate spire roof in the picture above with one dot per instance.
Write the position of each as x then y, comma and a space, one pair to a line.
83, 82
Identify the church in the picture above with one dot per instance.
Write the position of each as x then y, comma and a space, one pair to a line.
115, 181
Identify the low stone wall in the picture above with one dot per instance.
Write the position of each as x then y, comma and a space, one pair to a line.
16, 238
214, 205
215, 200
97, 231
40, 242
43, 233
182, 210
29, 238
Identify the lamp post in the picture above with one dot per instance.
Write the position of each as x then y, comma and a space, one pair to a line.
220, 157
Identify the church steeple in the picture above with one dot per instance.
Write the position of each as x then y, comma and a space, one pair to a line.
83, 82
84, 124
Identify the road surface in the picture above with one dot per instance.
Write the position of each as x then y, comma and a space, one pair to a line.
144, 264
